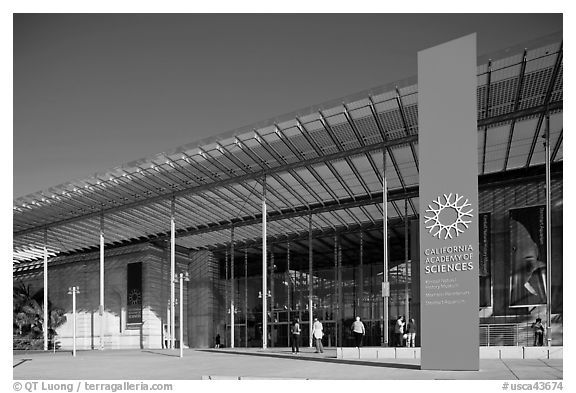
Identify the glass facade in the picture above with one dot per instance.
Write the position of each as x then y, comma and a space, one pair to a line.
346, 279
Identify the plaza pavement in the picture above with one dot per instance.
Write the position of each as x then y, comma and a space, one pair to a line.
255, 363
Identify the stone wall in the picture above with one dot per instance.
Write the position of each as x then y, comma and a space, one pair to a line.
83, 270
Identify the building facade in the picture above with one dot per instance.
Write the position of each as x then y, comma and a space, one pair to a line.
284, 220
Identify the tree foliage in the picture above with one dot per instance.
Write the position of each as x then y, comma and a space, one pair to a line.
28, 318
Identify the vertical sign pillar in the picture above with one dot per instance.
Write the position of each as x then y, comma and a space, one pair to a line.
45, 325
101, 307
264, 272
172, 272
448, 205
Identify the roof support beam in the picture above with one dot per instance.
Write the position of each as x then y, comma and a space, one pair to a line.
371, 199
406, 128
520, 83
557, 146
547, 106
317, 234
523, 113
486, 115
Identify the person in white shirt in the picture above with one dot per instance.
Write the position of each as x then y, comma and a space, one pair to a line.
359, 331
399, 331
318, 334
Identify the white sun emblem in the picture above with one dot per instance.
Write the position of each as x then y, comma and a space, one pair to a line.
451, 211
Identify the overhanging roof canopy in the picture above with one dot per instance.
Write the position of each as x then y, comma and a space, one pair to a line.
322, 164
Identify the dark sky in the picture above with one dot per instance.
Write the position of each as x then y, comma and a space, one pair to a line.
94, 91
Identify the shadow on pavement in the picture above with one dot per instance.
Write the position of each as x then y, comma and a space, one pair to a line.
317, 359
21, 361
163, 354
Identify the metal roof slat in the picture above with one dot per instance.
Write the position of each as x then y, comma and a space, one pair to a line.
295, 174
279, 179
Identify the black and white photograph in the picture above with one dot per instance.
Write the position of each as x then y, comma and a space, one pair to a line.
286, 196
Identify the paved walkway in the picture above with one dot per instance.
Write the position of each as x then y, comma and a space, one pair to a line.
255, 363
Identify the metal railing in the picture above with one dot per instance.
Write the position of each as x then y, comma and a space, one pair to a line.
506, 334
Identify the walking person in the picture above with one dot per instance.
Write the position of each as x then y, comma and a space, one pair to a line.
359, 331
411, 333
317, 334
296, 336
538, 332
217, 341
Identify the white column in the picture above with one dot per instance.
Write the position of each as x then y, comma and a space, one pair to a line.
45, 305
548, 237
172, 272
74, 320
101, 307
385, 283
264, 272
168, 326
181, 315
73, 291
232, 307
310, 283
406, 245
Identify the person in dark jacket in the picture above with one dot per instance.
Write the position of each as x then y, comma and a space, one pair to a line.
411, 333
538, 332
296, 336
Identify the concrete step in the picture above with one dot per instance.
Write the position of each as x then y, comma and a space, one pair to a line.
485, 353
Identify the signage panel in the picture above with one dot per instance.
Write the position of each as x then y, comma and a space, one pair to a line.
485, 259
528, 256
449, 265
134, 293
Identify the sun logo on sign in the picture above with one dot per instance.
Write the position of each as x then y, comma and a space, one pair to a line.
134, 297
449, 217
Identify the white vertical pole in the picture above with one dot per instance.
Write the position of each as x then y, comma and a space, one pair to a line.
74, 289
101, 307
548, 237
385, 282
172, 272
310, 283
181, 315
246, 297
264, 272
168, 327
406, 244
232, 307
46, 324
